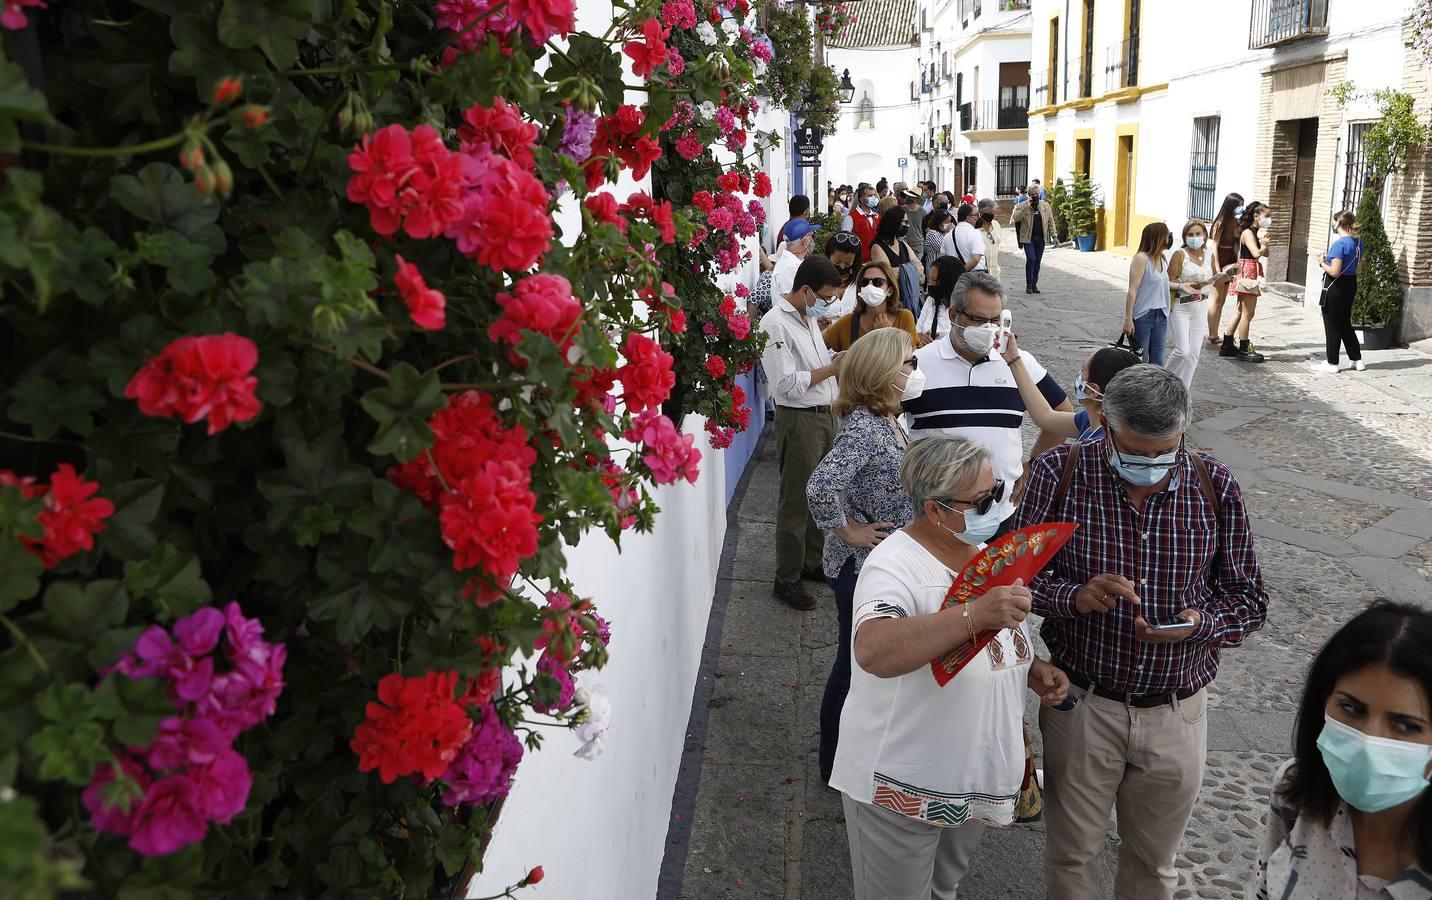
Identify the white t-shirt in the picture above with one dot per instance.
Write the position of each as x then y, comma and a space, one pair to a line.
927, 316
783, 276
966, 242
846, 303
940, 755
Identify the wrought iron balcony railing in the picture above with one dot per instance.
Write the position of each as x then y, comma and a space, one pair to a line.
1277, 22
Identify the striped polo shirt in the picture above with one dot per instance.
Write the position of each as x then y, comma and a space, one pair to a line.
979, 401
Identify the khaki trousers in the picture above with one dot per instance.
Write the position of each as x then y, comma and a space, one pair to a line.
803, 438
1147, 765
895, 858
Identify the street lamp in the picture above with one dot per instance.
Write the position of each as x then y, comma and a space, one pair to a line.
847, 88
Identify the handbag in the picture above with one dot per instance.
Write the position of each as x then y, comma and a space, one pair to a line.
1126, 342
1030, 805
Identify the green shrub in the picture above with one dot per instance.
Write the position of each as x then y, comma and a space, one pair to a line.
1379, 286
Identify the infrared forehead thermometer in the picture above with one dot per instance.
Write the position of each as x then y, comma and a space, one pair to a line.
1006, 318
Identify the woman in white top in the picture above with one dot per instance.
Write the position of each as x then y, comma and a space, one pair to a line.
993, 234
924, 769
1191, 276
1351, 813
934, 323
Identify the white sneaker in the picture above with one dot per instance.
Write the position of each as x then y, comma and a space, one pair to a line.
1325, 368
1360, 366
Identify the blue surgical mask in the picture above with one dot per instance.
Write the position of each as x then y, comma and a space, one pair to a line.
872, 201
1150, 469
1370, 773
1195, 242
819, 308
1084, 391
978, 528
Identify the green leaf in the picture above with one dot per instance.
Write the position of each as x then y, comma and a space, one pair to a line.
145, 703
173, 877
48, 406
188, 261
130, 534
17, 101
19, 574
171, 580
160, 195
317, 472
315, 522
70, 747
274, 26
402, 410
17, 513
82, 612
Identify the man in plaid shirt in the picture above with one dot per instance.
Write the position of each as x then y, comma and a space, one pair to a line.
1159, 578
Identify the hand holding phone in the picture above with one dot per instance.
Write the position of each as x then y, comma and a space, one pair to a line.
1170, 632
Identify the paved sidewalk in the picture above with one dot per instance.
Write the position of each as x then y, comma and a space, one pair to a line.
1335, 469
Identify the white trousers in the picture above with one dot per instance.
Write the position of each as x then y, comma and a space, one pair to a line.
1187, 324
895, 858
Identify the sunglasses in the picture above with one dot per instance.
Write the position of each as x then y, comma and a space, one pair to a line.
913, 363
982, 504
846, 238
878, 282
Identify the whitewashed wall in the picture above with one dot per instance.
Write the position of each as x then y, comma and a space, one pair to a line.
852, 154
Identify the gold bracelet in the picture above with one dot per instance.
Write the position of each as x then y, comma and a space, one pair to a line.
969, 622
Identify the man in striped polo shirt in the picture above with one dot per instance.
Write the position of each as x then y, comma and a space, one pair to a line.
970, 392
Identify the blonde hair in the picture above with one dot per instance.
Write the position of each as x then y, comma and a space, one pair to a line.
887, 203
867, 376
893, 304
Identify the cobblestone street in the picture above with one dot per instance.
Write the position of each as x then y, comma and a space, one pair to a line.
1336, 474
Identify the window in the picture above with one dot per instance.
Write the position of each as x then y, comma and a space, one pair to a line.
971, 167
1010, 174
1203, 168
1355, 167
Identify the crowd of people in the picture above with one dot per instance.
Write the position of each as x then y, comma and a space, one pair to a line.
900, 391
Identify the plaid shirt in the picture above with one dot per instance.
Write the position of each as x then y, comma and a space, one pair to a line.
1175, 553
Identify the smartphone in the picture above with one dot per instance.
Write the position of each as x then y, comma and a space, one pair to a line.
1173, 627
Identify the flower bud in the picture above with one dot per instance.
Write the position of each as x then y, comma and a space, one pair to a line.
345, 119
227, 91
533, 877
191, 155
252, 116
204, 181
223, 178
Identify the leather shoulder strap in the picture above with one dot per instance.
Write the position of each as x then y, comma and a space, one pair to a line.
1066, 478
1205, 481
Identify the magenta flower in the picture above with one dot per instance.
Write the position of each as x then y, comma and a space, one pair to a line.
168, 819
182, 660
183, 742
482, 771
558, 670
221, 788
114, 819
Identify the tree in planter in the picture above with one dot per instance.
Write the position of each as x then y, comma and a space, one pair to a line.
1079, 210
1059, 203
1379, 285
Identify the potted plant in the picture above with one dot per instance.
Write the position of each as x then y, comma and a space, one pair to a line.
1079, 211
1058, 202
1377, 308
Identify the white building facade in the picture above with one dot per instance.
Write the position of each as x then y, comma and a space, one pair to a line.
1169, 112
974, 90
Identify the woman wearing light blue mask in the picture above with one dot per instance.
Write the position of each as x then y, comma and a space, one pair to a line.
925, 769
1351, 812
1082, 424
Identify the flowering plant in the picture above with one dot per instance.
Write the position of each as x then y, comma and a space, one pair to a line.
833, 19
302, 396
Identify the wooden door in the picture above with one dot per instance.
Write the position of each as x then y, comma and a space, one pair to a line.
1299, 217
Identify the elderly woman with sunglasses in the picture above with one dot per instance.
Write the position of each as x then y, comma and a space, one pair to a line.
878, 292
925, 769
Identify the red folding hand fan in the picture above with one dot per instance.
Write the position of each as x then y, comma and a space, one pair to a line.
1019, 554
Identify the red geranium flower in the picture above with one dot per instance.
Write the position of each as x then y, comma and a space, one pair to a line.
198, 377
647, 377
505, 223
703, 201
650, 52
715, 366
762, 187
544, 19
541, 303
427, 306
498, 129
415, 728
488, 519
604, 208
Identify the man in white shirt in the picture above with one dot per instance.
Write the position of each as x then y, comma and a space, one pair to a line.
966, 242
801, 372
970, 392
800, 235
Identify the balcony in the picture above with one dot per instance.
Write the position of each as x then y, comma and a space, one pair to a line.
1079, 79
988, 115
1122, 70
1011, 5
1277, 22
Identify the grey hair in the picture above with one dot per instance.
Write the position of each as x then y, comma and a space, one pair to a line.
940, 467
1147, 400
986, 203
984, 281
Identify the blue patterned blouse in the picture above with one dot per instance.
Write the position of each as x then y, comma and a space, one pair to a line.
859, 481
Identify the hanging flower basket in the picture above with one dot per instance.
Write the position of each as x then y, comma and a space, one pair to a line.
833, 19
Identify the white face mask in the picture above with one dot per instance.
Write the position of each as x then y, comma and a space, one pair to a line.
914, 385
979, 339
1265, 222
872, 295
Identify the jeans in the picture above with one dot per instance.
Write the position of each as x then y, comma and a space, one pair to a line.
1337, 318
1187, 323
1151, 331
838, 684
1033, 255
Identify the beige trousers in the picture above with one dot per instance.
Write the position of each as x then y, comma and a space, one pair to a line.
895, 858
1147, 765
803, 438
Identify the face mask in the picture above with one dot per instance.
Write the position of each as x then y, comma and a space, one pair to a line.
1084, 391
987, 217
978, 528
872, 201
979, 339
1265, 222
1141, 477
817, 307
872, 295
1195, 243
1373, 774
914, 385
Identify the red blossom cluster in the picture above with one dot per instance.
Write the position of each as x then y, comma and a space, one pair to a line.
667, 453
414, 728
649, 52
71, 517
647, 377
539, 303
619, 137
659, 213
206, 376
427, 306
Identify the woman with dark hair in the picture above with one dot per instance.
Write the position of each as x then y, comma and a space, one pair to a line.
1351, 814
1253, 243
879, 307
1193, 278
1146, 305
1099, 369
890, 246
843, 250
1339, 290
934, 322
1223, 236
937, 224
